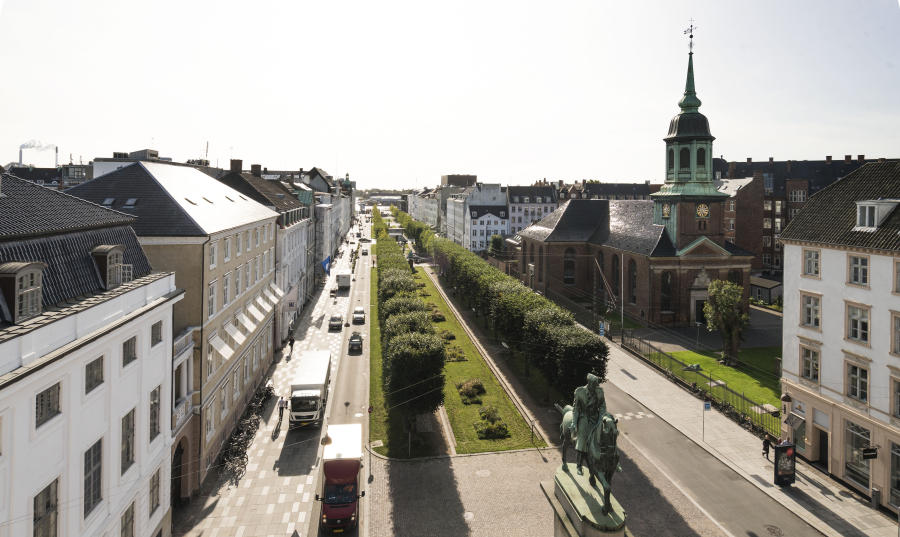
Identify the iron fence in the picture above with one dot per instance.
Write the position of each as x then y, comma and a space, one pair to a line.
757, 417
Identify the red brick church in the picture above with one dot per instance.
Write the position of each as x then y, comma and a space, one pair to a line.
658, 255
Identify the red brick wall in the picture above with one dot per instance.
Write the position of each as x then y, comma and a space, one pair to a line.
749, 219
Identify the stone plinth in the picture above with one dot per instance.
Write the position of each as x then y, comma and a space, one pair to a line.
578, 507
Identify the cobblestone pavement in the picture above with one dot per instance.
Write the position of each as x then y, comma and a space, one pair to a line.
499, 494
276, 495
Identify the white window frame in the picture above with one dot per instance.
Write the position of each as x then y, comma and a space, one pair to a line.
213, 254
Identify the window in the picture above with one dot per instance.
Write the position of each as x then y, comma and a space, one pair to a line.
897, 276
257, 237
615, 275
895, 333
154, 412
246, 369
895, 399
156, 333
127, 440
684, 159
809, 311
247, 275
129, 351
210, 422
223, 401
865, 216
632, 281
768, 183
810, 262
93, 374
235, 385
858, 382
238, 274
767, 205
767, 223
859, 270
731, 205
210, 365
117, 273
778, 225
213, 253
93, 473
767, 241
211, 299
226, 288
671, 159
665, 296
701, 225
247, 241
731, 224
238, 245
895, 474
767, 259
701, 158
154, 492
128, 522
856, 468
46, 405
777, 206
28, 295
809, 360
46, 511
858, 323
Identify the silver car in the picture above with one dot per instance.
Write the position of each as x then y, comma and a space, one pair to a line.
359, 315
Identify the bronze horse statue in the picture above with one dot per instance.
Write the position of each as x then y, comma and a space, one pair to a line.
602, 456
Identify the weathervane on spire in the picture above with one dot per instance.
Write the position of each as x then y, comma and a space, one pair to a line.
690, 32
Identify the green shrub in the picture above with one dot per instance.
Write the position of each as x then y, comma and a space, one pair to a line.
401, 304
405, 323
437, 316
489, 414
413, 372
489, 431
447, 335
470, 391
455, 354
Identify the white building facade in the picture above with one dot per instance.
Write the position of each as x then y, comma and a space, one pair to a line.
841, 345
476, 214
528, 204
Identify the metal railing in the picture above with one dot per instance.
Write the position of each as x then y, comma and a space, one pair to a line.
182, 342
737, 406
181, 413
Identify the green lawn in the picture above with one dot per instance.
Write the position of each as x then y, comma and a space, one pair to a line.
463, 417
758, 386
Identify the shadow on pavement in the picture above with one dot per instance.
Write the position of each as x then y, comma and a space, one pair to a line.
841, 526
437, 510
184, 520
299, 452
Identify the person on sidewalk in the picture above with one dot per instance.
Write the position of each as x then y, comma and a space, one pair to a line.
291, 342
281, 405
767, 443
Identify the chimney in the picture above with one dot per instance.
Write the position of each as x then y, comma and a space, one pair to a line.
731, 166
861, 158
847, 159
880, 159
789, 168
56, 158
749, 160
237, 165
828, 159
256, 170
771, 159
20, 156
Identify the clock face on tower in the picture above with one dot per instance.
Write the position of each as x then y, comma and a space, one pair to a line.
666, 210
702, 210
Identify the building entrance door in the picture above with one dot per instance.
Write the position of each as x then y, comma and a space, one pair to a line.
177, 470
698, 311
823, 449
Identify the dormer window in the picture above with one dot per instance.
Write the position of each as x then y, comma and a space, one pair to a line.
865, 216
130, 203
109, 261
22, 288
871, 213
107, 202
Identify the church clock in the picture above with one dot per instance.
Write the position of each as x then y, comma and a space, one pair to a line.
666, 210
702, 210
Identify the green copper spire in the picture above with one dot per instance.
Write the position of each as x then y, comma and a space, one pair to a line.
690, 102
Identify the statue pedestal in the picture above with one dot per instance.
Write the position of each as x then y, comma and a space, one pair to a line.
578, 507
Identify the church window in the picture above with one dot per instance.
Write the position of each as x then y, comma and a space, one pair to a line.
632, 281
701, 225
665, 295
684, 159
701, 158
541, 264
671, 159
569, 267
615, 275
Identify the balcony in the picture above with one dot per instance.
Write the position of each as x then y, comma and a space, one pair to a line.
180, 414
182, 343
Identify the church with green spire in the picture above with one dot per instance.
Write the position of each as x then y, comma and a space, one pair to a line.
652, 260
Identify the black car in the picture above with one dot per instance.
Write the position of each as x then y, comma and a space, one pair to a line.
356, 342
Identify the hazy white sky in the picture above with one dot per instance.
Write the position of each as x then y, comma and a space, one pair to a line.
398, 93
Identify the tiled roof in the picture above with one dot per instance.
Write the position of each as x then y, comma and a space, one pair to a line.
546, 192
608, 189
29, 210
819, 173
70, 272
573, 221
37, 175
269, 193
482, 210
830, 215
631, 229
173, 201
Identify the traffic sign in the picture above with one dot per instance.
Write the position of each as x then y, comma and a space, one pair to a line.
707, 405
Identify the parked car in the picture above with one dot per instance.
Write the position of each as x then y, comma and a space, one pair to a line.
336, 322
359, 315
356, 342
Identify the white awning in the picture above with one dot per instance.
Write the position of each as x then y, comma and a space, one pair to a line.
248, 324
271, 297
266, 307
235, 334
251, 309
221, 347
278, 292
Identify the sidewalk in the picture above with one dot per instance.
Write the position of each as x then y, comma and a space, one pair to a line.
831, 508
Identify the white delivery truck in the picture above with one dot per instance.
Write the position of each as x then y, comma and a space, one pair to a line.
343, 279
309, 389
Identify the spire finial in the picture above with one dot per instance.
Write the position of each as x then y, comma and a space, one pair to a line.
690, 33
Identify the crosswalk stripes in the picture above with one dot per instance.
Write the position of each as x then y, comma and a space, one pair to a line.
633, 415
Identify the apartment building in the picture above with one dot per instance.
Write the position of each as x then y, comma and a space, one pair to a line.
841, 346
85, 370
528, 204
476, 214
221, 245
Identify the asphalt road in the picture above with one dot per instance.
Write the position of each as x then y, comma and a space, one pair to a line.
739, 507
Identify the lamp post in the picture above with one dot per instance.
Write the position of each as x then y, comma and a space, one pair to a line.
698, 332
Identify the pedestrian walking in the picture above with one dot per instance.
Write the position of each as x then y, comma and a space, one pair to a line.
281, 405
291, 341
767, 443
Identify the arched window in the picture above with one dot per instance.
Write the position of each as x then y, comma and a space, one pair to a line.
601, 287
531, 253
632, 281
665, 291
684, 159
735, 276
569, 267
615, 275
671, 159
701, 158
540, 263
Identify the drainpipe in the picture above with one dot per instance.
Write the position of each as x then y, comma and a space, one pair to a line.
201, 438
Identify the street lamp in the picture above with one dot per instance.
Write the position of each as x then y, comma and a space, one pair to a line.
699, 324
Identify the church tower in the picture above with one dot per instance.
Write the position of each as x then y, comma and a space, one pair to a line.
688, 204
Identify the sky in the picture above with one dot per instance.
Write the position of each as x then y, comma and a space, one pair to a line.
398, 93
